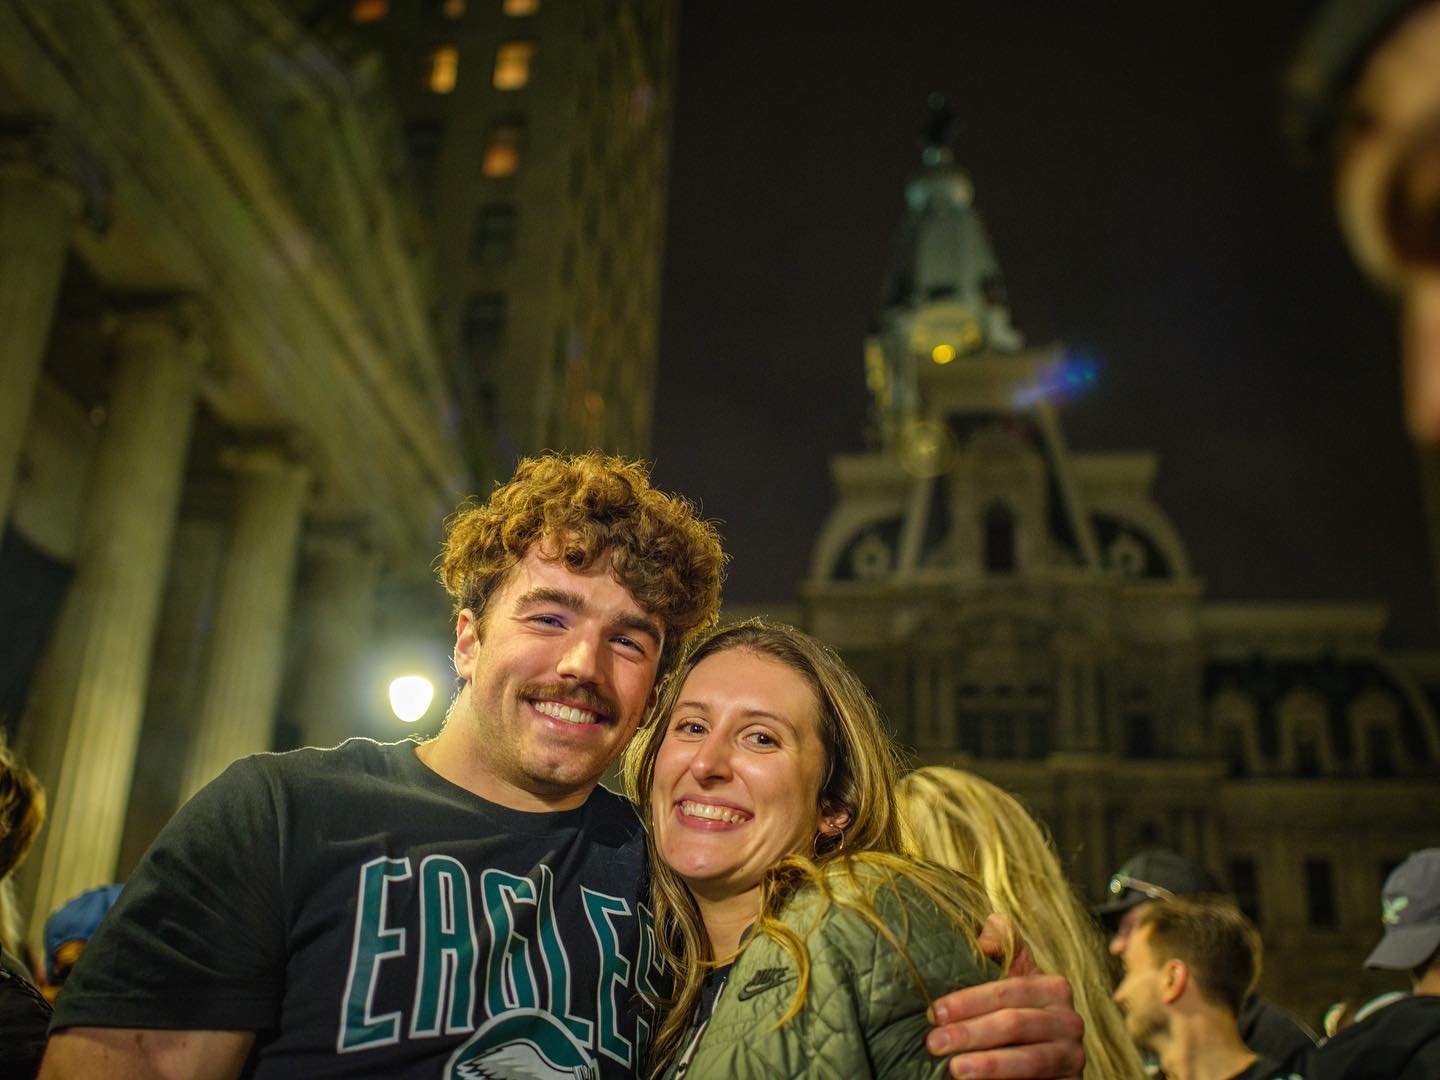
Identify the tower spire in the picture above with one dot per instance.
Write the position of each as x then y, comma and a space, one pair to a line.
944, 295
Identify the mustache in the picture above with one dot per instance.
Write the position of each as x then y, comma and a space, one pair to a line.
580, 696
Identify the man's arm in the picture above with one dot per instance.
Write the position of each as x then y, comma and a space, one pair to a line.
1021, 1027
146, 1054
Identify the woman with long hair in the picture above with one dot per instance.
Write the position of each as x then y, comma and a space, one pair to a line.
967, 823
767, 781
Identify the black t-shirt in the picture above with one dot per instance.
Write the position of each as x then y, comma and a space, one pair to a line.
1262, 1068
1272, 1032
367, 917
24, 1016
1399, 1042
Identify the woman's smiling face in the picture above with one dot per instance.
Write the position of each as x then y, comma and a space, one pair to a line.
738, 774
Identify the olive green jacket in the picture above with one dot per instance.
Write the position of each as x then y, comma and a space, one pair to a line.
864, 1014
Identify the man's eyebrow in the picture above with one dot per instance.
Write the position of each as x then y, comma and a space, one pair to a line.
641, 625
546, 594
549, 595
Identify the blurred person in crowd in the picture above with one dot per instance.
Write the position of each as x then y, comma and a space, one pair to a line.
24, 1012
433, 908
963, 821
1155, 876
68, 930
1364, 93
804, 940
1189, 964
1399, 1040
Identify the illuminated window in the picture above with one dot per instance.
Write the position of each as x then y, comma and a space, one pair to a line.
442, 67
512, 64
494, 238
368, 11
503, 144
520, 7
452, 9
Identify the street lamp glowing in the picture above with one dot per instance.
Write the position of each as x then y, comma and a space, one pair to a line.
410, 697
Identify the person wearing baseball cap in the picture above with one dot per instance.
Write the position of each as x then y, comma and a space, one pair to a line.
69, 929
1402, 1040
1157, 875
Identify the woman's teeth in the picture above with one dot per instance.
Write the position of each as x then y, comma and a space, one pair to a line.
711, 813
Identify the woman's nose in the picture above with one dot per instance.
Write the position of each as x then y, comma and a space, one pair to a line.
711, 761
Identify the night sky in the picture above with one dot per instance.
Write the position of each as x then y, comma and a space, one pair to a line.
1127, 162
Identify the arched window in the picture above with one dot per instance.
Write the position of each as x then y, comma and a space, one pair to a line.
1235, 724
999, 539
1375, 731
1305, 748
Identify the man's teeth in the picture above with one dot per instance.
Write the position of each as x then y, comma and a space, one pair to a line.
712, 813
570, 715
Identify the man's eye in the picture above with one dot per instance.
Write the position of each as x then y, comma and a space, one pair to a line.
630, 644
547, 620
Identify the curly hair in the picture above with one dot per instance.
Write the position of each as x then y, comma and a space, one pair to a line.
22, 809
581, 509
22, 812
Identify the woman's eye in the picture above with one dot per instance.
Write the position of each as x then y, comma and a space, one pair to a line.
762, 738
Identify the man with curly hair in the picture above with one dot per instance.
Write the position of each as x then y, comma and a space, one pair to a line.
468, 906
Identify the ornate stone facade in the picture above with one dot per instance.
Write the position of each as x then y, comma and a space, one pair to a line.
1030, 612
217, 344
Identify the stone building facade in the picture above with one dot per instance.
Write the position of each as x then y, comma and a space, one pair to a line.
539, 132
1030, 612
225, 425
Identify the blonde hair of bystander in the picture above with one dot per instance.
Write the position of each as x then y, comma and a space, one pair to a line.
964, 822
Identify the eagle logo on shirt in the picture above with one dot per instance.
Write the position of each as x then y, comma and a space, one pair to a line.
522, 1044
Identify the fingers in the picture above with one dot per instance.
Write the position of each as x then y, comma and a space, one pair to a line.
1021, 992
1047, 1061
1035, 1044
996, 936
1007, 1029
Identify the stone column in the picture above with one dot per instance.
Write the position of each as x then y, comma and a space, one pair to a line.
338, 601
252, 615
83, 723
43, 188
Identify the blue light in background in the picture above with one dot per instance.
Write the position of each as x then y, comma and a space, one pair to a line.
1070, 377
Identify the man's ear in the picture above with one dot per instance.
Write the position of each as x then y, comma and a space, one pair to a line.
1174, 981
467, 642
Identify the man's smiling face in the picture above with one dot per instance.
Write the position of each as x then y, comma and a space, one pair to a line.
558, 674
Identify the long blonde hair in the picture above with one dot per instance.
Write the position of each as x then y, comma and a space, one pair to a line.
969, 824
862, 767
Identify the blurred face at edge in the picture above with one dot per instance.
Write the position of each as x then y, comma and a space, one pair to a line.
1387, 192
